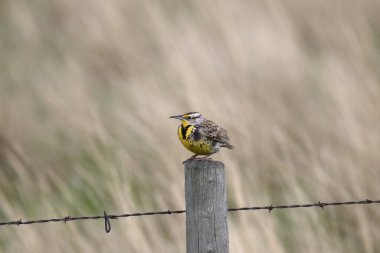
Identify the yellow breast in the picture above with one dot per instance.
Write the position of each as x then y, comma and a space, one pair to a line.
199, 147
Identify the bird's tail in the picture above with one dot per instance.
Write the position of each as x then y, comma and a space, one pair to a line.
227, 145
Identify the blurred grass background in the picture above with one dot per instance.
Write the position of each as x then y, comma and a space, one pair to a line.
86, 88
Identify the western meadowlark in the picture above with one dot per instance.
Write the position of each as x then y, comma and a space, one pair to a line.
201, 136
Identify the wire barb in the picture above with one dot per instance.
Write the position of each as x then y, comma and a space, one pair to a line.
270, 208
67, 218
107, 223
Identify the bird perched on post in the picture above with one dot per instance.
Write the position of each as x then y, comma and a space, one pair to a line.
200, 135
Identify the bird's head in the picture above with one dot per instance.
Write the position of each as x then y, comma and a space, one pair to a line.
189, 118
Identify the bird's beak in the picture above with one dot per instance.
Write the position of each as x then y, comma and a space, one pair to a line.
176, 117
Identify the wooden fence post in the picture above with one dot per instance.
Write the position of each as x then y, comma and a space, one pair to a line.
206, 207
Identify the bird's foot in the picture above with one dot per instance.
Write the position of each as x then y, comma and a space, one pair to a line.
194, 157
207, 157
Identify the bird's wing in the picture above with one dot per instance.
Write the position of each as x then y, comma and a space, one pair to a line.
213, 132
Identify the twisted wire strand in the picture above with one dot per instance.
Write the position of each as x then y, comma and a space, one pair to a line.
107, 217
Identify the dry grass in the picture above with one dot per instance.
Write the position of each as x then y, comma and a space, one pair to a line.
87, 88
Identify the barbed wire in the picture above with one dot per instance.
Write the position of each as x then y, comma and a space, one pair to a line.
107, 217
